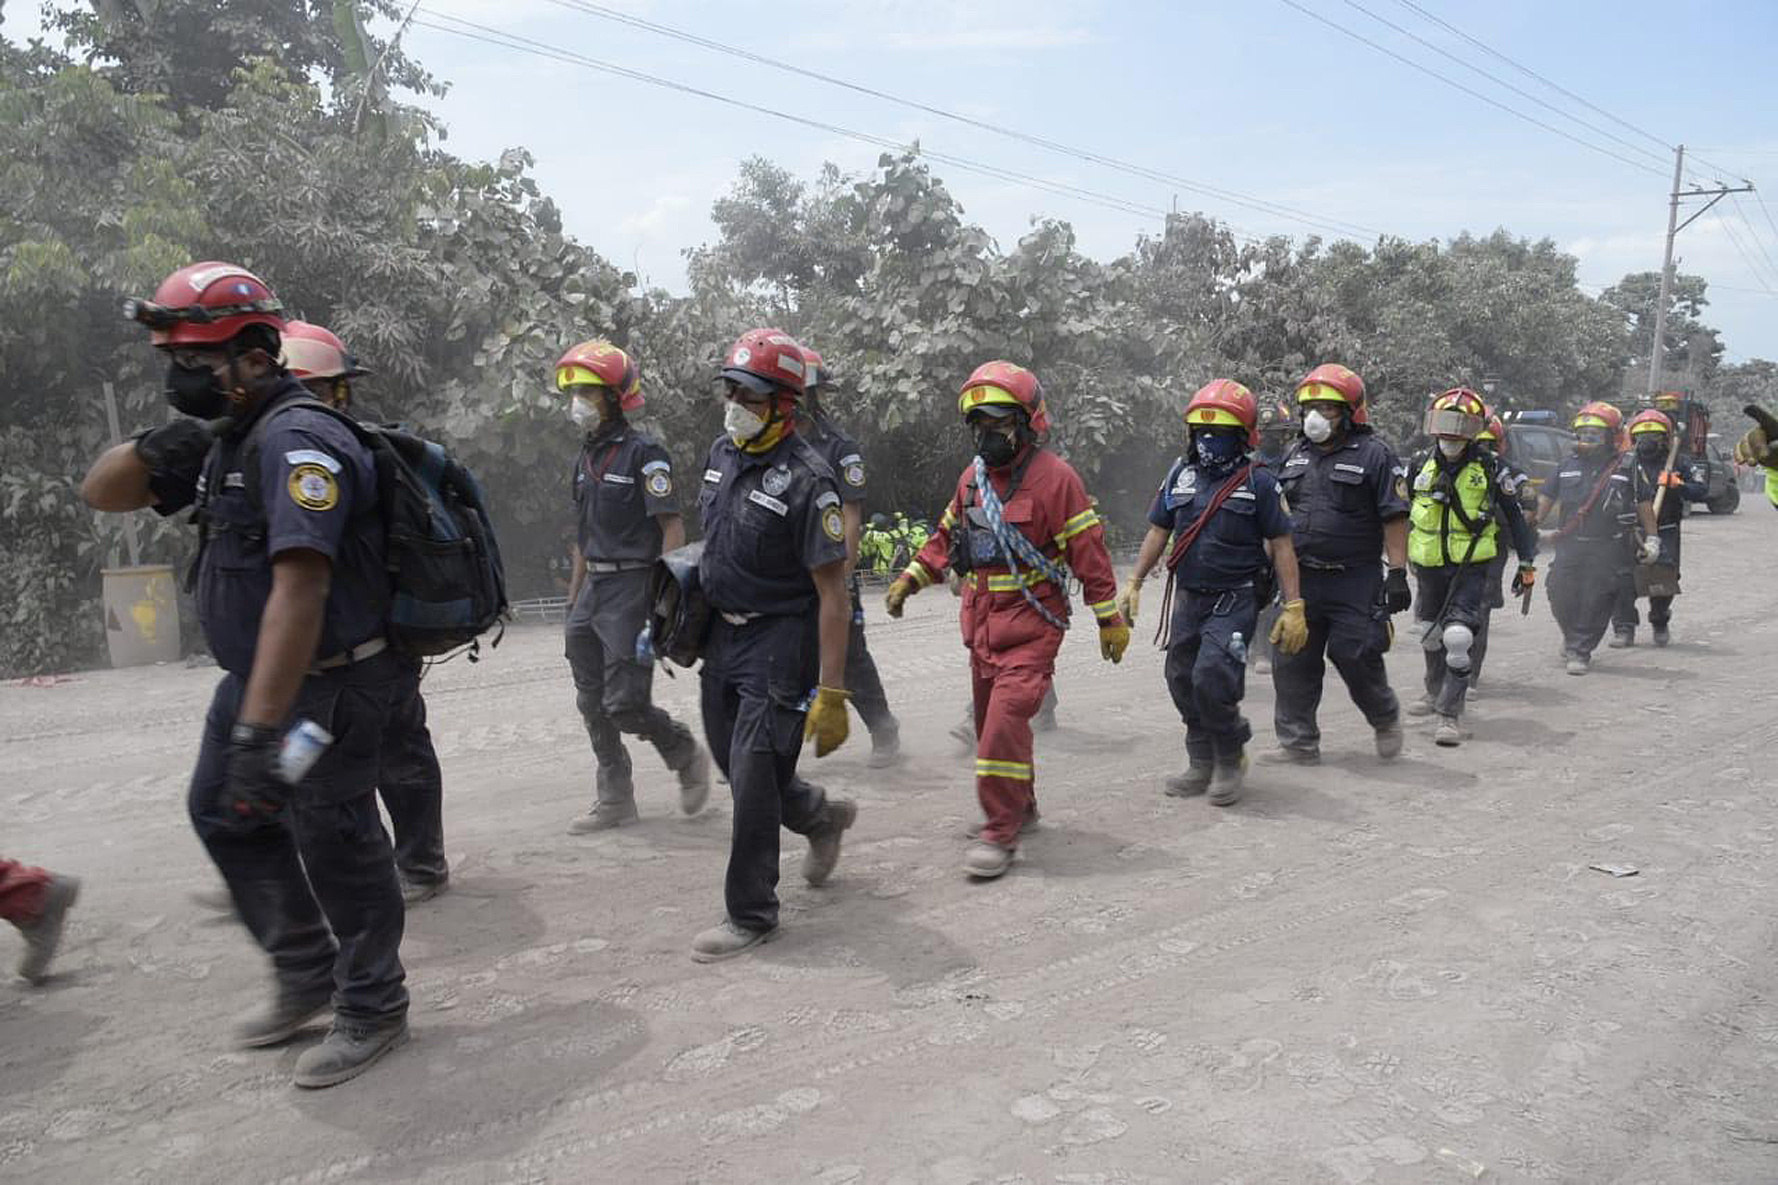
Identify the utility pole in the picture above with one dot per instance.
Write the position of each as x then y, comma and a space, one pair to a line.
1657, 355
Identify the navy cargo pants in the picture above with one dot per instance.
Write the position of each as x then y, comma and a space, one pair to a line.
411, 786
1348, 626
317, 888
1207, 672
862, 679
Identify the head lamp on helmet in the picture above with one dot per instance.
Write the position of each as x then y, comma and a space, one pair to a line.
206, 304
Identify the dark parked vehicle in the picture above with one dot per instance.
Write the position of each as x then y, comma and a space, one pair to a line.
1537, 448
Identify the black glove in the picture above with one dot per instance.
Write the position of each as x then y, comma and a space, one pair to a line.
174, 454
177, 447
1396, 597
254, 793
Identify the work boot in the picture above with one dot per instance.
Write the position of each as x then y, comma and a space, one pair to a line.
1421, 706
1389, 740
986, 860
824, 841
1622, 639
414, 892
286, 1017
1228, 780
1195, 780
43, 934
1027, 825
1578, 664
349, 1049
604, 816
1291, 755
1447, 733
885, 747
1662, 637
726, 940
694, 785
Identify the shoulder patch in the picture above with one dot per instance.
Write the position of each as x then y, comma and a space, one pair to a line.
827, 498
657, 463
853, 472
833, 523
659, 481
313, 487
309, 456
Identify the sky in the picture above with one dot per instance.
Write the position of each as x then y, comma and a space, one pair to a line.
1256, 98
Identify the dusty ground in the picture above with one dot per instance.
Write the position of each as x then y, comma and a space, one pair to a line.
1401, 973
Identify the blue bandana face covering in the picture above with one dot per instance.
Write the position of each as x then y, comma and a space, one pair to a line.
1216, 450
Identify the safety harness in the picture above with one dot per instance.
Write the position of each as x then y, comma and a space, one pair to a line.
1183, 544
1014, 547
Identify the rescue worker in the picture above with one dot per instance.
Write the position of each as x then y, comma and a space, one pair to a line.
409, 782
1347, 498
1460, 498
1651, 436
774, 571
37, 903
1277, 429
1231, 532
626, 516
876, 548
1595, 493
1019, 523
292, 588
843, 457
1493, 441
1759, 446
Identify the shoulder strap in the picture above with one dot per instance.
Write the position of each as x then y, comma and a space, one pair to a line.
1190, 535
1592, 500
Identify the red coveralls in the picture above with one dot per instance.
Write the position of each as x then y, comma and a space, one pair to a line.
21, 891
1012, 650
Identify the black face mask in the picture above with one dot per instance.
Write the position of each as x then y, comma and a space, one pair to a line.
996, 448
1651, 448
194, 391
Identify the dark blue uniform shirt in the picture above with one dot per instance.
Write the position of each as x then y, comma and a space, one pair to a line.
1576, 478
622, 480
769, 519
1231, 548
1339, 499
317, 492
841, 453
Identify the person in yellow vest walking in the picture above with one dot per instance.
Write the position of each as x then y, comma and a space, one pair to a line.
1460, 497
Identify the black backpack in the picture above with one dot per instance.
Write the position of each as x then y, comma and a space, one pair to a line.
447, 586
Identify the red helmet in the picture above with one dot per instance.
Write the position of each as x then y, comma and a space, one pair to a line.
206, 304
1650, 421
1599, 414
601, 364
767, 362
1494, 431
1005, 384
1330, 380
1668, 400
815, 375
1458, 412
311, 352
1277, 417
1224, 401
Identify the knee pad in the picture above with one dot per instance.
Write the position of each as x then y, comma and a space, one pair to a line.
1458, 638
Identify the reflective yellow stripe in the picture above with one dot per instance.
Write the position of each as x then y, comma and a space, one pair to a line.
1086, 520
1104, 610
1006, 581
1017, 770
917, 573
948, 519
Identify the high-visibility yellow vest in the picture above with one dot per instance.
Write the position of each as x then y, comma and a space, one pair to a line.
1438, 536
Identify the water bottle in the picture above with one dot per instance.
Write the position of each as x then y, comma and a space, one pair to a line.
645, 645
1238, 647
301, 748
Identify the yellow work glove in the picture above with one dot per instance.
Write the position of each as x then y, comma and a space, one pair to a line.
1129, 602
826, 723
1760, 445
899, 592
1290, 633
1114, 639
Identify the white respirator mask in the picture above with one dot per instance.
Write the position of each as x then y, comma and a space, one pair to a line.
741, 423
582, 411
1317, 427
1452, 449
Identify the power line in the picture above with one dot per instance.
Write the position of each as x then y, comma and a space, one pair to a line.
1746, 257
1469, 90
490, 35
1499, 81
1530, 73
1235, 197
1741, 212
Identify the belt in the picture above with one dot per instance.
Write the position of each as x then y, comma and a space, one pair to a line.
346, 658
738, 618
603, 566
1005, 581
1319, 565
